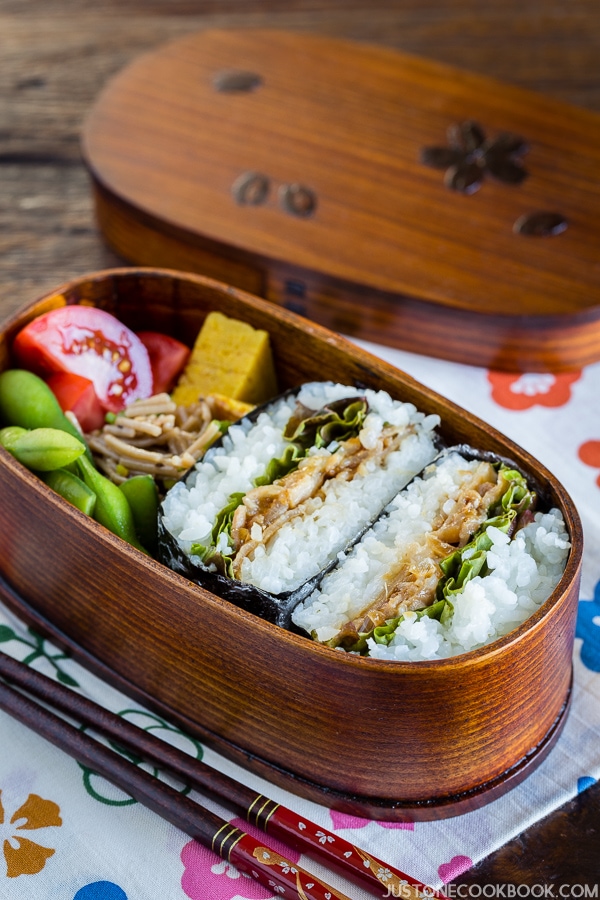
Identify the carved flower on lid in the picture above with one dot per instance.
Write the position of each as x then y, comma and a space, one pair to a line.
470, 156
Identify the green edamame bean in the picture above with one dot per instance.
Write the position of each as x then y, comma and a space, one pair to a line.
10, 434
142, 495
72, 489
112, 507
45, 449
26, 400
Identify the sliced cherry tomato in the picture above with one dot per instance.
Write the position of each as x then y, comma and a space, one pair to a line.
77, 394
167, 358
92, 343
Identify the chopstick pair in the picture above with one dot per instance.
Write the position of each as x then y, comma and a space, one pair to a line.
231, 843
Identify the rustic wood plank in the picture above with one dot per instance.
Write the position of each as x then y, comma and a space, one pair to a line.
47, 229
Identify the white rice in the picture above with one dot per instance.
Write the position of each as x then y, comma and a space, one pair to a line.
304, 546
525, 571
189, 508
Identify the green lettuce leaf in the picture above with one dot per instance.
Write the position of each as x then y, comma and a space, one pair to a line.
338, 421
282, 465
223, 520
471, 560
383, 634
225, 516
466, 562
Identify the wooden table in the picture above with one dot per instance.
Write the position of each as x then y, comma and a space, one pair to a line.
57, 54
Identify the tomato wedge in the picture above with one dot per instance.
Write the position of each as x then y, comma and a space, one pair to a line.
92, 343
168, 356
77, 394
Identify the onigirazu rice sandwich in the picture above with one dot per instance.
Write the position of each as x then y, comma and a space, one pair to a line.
267, 511
458, 559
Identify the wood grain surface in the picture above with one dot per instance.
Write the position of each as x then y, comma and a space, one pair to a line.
55, 57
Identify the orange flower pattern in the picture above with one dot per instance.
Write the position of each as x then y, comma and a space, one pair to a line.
589, 453
518, 392
23, 856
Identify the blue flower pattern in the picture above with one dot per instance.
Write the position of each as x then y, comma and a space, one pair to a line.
584, 783
588, 629
101, 890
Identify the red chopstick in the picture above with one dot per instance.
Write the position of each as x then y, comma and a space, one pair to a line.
237, 847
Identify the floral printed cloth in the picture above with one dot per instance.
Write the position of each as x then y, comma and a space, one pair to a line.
66, 833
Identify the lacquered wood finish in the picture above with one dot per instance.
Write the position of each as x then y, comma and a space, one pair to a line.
390, 253
392, 740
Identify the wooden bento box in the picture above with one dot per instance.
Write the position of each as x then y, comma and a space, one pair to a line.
387, 740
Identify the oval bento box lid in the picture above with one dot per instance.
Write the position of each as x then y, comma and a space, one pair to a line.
386, 196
